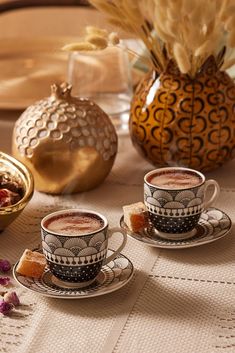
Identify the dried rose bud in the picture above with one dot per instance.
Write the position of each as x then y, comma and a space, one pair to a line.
4, 193
4, 281
5, 308
8, 198
11, 298
5, 265
4, 198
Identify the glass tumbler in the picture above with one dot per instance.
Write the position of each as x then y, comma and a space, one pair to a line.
104, 76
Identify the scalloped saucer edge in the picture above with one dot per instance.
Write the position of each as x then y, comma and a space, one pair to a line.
213, 225
113, 276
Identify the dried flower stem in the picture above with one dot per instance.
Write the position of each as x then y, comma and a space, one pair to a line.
188, 31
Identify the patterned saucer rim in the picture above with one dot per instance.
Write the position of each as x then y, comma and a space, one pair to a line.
197, 240
107, 286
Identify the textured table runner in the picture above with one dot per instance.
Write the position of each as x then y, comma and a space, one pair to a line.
178, 300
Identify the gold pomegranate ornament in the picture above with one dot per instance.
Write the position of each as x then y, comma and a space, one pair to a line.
178, 120
68, 143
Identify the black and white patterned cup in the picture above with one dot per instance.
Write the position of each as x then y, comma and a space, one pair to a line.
78, 258
175, 211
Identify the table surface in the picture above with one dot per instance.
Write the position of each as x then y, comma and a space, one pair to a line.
178, 301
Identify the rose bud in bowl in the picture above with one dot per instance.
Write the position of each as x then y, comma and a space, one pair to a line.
16, 188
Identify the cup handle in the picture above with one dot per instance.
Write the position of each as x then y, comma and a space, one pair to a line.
215, 193
111, 232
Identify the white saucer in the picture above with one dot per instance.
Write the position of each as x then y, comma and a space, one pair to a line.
213, 225
112, 276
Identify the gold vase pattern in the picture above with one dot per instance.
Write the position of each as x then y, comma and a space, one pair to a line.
176, 120
68, 143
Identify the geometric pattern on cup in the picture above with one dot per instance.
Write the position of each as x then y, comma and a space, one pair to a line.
76, 273
174, 225
173, 198
177, 212
74, 246
75, 261
73, 251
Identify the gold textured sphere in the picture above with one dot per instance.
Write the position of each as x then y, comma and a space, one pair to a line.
68, 143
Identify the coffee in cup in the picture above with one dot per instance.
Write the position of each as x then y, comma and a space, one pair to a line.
175, 199
75, 244
74, 224
175, 179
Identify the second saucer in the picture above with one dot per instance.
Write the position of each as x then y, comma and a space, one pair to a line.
213, 225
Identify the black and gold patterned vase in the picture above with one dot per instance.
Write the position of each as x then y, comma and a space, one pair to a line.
177, 120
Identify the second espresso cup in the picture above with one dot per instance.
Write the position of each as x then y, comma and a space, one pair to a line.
175, 198
75, 244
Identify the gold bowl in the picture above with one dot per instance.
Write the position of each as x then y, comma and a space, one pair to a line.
21, 173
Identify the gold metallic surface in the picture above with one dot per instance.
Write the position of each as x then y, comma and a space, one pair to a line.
68, 143
21, 173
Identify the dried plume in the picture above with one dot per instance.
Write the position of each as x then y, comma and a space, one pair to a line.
187, 31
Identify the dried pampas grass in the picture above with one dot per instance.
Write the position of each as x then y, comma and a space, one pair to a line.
181, 57
188, 31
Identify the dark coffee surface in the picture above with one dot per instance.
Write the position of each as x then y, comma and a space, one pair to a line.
175, 179
73, 224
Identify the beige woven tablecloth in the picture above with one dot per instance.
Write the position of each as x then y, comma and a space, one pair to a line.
178, 301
